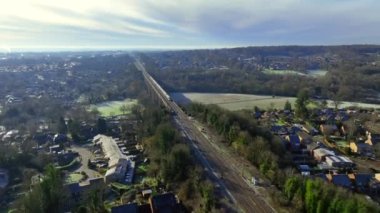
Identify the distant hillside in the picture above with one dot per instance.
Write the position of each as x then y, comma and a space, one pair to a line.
350, 73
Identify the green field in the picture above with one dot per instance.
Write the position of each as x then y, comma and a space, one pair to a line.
282, 72
311, 73
233, 101
112, 108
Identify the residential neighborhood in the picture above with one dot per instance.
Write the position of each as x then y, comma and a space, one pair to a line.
336, 145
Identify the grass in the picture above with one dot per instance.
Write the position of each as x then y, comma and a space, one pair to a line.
151, 182
311, 73
233, 101
236, 102
282, 72
142, 169
74, 178
121, 186
112, 108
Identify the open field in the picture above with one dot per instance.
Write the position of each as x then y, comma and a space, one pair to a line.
311, 73
282, 72
316, 73
112, 108
345, 104
233, 101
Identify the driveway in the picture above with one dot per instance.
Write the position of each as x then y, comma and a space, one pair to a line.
85, 154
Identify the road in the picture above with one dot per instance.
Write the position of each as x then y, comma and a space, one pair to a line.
237, 189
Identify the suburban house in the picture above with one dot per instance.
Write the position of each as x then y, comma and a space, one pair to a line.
320, 154
340, 180
304, 169
329, 129
361, 181
294, 142
305, 138
130, 208
338, 161
120, 167
279, 130
372, 139
363, 149
164, 203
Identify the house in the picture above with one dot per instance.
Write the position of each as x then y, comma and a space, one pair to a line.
55, 148
363, 149
329, 129
339, 161
340, 180
130, 208
372, 139
309, 129
279, 130
60, 138
312, 146
164, 203
361, 181
305, 138
294, 141
304, 169
320, 154
146, 193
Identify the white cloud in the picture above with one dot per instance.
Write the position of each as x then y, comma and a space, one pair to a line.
183, 22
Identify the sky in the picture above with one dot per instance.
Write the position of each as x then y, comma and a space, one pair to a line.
176, 24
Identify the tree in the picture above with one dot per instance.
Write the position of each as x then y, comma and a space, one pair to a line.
48, 196
124, 109
301, 104
101, 125
288, 106
62, 127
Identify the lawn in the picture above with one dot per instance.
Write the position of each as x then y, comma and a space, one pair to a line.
74, 178
233, 101
112, 108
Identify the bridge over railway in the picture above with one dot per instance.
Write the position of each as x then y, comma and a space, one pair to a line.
232, 185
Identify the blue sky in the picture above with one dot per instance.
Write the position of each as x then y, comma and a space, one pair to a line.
119, 24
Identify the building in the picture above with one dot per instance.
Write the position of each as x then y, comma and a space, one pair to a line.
130, 208
304, 169
305, 138
320, 154
294, 142
372, 139
362, 181
363, 149
119, 166
340, 180
327, 129
338, 161
164, 203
